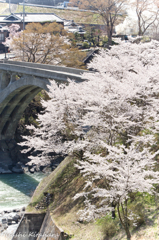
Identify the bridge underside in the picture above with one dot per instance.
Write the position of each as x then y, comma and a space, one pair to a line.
14, 98
12, 108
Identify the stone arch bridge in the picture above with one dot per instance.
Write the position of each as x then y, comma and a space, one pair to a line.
17, 93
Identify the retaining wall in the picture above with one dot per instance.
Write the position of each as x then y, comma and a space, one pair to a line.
29, 227
38, 227
38, 2
49, 230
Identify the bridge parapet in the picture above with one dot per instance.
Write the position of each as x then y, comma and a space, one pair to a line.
61, 74
46, 66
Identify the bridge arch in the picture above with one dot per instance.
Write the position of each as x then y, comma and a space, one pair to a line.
15, 95
13, 101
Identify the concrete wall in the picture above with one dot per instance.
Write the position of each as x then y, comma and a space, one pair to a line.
29, 227
38, 227
45, 66
43, 70
38, 2
49, 230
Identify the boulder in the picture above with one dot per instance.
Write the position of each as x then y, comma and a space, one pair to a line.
9, 221
32, 170
5, 162
4, 170
5, 158
23, 209
4, 220
6, 211
11, 145
3, 146
16, 218
17, 169
5, 226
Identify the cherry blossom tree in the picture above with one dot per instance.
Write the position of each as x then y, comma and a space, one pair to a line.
111, 120
121, 87
13, 30
124, 171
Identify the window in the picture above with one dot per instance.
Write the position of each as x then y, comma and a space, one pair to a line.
1, 36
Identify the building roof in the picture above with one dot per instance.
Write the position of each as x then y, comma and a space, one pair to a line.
73, 27
3, 28
69, 23
30, 17
76, 30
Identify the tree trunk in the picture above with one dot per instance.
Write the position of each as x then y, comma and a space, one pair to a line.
124, 222
128, 234
113, 211
109, 37
109, 34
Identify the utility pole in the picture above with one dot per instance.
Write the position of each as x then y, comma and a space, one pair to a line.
23, 26
5, 53
9, 7
23, 16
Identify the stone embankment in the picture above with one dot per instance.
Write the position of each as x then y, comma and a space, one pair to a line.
13, 161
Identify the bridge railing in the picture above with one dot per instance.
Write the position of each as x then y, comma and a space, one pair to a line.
46, 66
57, 73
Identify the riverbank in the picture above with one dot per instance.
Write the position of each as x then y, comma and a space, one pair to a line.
16, 191
9, 221
13, 161
58, 190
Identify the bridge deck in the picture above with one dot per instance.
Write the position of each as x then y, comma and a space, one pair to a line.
43, 70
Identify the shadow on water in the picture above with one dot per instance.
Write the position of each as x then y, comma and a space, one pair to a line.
21, 182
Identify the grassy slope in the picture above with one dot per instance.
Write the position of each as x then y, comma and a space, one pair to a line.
77, 16
64, 183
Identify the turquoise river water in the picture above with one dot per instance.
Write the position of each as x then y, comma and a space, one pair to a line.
16, 189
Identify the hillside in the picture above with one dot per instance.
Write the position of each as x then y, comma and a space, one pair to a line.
62, 185
77, 16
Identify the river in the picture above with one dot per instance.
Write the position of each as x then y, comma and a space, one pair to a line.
16, 189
